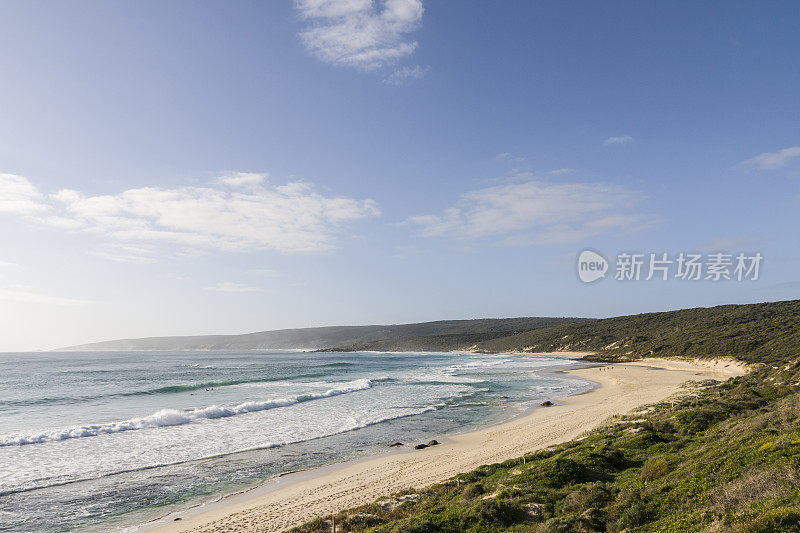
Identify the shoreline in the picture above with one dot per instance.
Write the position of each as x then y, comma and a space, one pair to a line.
279, 481
295, 498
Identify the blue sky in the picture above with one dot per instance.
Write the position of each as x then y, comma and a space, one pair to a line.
207, 167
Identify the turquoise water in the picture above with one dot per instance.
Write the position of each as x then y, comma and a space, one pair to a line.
108, 440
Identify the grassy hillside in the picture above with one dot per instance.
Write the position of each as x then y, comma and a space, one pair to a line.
315, 338
724, 458
752, 333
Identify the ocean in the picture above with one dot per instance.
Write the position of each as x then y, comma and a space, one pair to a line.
107, 441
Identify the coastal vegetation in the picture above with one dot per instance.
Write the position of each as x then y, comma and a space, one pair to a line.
719, 457
752, 333
755, 333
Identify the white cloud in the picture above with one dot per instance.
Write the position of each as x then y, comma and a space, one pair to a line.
56, 221
535, 212
360, 33
19, 196
7, 264
229, 286
286, 218
561, 171
405, 74
511, 158
622, 139
242, 179
771, 160
22, 295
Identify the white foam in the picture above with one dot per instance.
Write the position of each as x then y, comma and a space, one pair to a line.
479, 364
438, 375
52, 463
174, 417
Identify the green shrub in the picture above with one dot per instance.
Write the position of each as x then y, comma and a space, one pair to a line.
587, 496
640, 441
782, 519
495, 512
697, 420
654, 469
473, 490
419, 526
567, 524
557, 473
634, 513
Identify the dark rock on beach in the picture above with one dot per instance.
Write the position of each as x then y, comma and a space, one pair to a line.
395, 444
433, 443
420, 446
547, 403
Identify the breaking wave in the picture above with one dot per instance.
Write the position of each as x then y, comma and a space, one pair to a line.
174, 417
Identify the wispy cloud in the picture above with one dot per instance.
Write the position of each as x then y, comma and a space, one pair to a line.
7, 264
242, 179
229, 286
360, 33
285, 218
126, 253
560, 171
404, 75
506, 156
266, 272
535, 212
622, 139
771, 160
23, 295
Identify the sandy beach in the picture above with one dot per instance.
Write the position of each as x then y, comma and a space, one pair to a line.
295, 499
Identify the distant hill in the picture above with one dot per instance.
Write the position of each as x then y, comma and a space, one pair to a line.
752, 332
455, 332
763, 332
